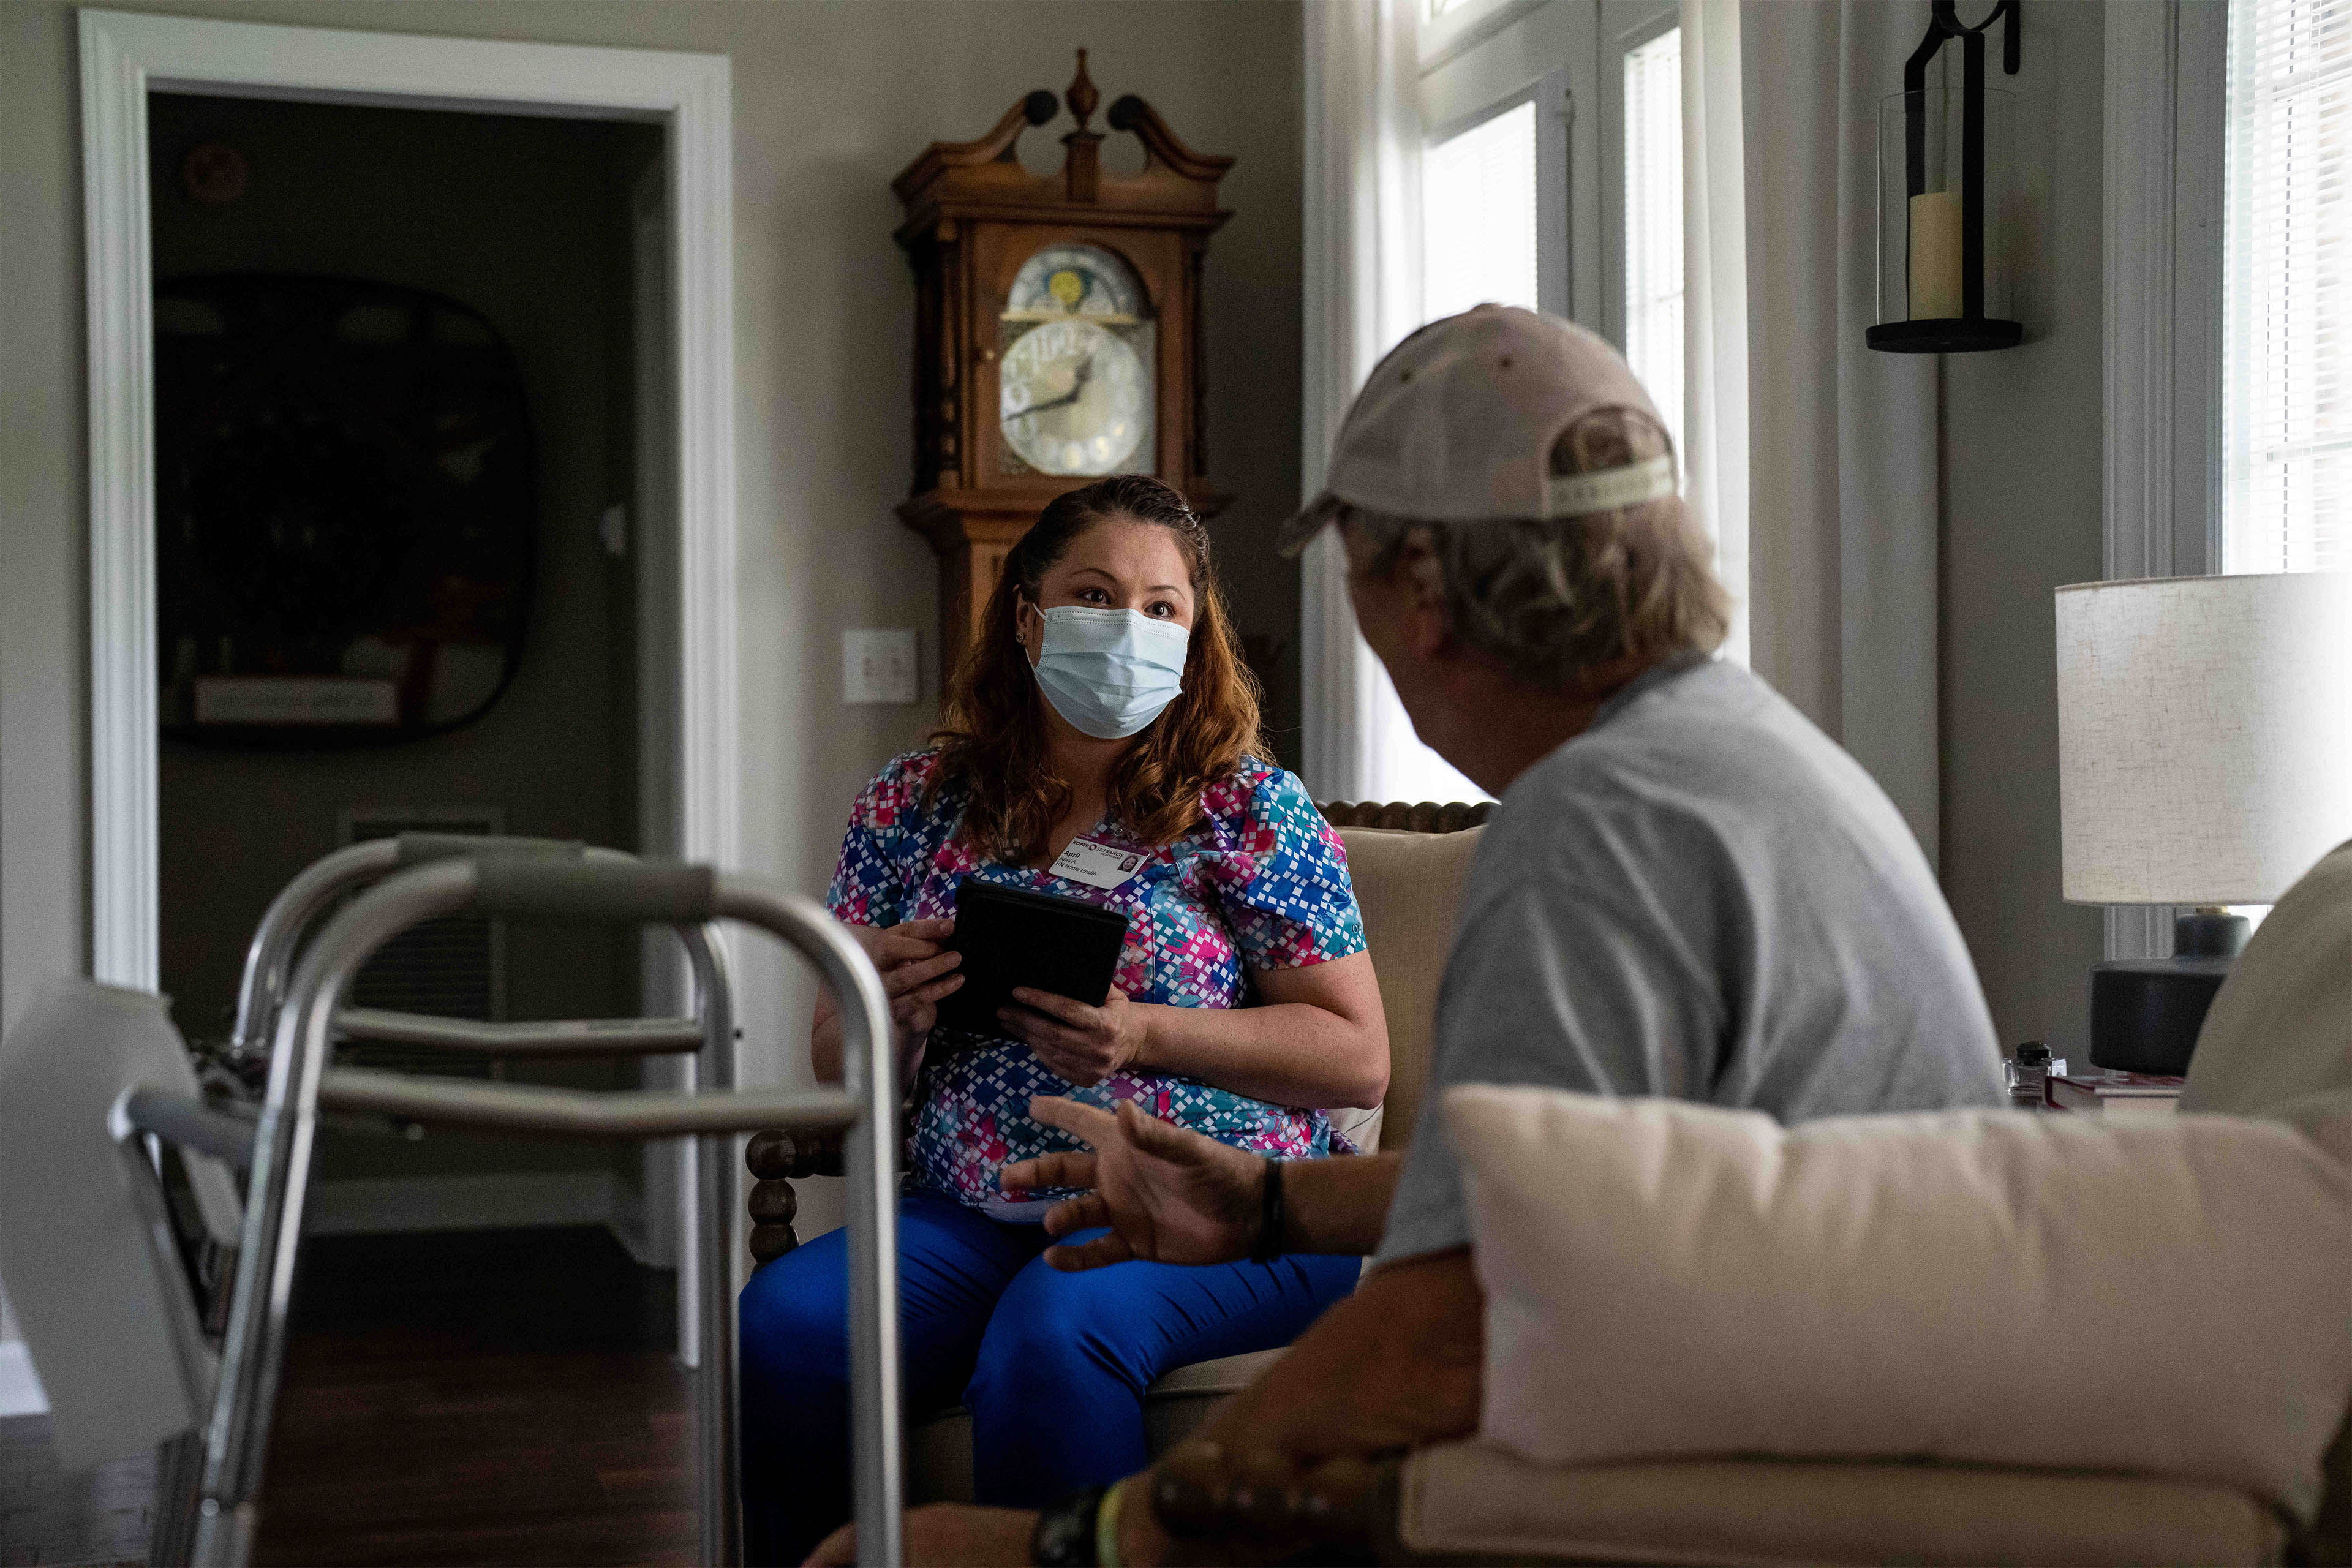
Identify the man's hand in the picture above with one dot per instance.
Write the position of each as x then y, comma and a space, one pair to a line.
1081, 1044
1168, 1195
950, 1535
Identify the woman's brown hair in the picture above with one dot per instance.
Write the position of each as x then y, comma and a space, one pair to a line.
992, 732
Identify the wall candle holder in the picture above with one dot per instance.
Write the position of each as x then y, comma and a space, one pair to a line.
1944, 170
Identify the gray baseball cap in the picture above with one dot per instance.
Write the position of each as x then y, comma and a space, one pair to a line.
1458, 423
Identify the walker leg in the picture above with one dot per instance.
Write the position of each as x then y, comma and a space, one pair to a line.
877, 1457
715, 1395
719, 1473
179, 1472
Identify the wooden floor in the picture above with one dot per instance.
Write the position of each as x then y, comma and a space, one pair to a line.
48, 1519
488, 1397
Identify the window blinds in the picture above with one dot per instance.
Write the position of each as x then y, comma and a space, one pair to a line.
2287, 395
1478, 216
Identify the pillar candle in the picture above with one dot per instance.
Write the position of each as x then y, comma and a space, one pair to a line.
1936, 257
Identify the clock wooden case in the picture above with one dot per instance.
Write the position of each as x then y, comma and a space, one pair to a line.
1057, 330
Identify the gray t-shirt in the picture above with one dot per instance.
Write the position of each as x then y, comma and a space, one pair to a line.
1702, 896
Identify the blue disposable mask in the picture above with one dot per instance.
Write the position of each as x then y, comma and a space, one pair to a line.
1109, 672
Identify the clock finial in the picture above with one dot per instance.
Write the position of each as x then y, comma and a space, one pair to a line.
1082, 96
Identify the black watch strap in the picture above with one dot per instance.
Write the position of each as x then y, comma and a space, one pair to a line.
1065, 1537
1271, 1220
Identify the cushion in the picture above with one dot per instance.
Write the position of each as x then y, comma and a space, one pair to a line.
1409, 886
1993, 1286
1175, 1406
2278, 1041
1471, 1499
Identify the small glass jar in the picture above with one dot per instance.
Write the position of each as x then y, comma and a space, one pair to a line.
2028, 1073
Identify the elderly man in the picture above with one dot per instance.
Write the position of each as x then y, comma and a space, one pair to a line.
1686, 890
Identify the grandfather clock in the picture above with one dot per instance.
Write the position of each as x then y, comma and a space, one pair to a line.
1057, 330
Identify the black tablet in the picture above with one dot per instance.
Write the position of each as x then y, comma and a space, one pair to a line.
1009, 937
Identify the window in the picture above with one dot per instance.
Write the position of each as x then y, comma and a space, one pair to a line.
2287, 288
1653, 222
1551, 178
1478, 216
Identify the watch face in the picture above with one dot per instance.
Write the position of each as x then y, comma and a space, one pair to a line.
1074, 398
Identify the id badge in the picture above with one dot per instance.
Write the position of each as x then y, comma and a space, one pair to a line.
1096, 865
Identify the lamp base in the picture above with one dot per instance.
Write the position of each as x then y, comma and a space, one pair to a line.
2145, 1012
1958, 336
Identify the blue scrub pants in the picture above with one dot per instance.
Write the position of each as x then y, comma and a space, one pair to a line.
1052, 1367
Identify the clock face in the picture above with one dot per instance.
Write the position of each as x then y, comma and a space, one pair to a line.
1064, 280
1074, 398
1074, 387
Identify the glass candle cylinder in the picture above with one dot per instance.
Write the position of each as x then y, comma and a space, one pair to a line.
1943, 234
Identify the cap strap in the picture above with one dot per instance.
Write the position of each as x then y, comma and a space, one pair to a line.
1606, 490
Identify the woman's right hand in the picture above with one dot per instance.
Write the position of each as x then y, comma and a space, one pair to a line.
916, 972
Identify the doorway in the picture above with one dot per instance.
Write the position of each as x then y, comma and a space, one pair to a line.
685, 651
394, 424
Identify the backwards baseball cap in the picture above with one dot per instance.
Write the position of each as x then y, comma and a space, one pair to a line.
1458, 423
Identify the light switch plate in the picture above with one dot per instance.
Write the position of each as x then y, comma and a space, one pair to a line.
878, 666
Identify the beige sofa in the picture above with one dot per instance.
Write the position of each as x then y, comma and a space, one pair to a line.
2278, 1042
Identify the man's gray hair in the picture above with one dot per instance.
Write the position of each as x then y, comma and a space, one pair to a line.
1554, 598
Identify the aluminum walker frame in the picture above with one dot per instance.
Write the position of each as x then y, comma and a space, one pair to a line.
207, 1511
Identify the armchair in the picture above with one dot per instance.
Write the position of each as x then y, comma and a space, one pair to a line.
1408, 862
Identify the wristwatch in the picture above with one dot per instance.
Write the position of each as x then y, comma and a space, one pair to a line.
1065, 1537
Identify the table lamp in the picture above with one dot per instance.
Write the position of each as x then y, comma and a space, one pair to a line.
2204, 758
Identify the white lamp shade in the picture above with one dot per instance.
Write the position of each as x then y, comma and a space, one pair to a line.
2204, 736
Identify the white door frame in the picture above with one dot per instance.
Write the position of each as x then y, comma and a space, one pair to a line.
124, 57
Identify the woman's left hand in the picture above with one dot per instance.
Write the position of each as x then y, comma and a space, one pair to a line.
1084, 1044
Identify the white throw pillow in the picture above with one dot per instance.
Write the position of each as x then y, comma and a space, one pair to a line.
1667, 1279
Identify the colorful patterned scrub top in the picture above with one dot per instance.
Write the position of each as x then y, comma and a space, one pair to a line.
1260, 883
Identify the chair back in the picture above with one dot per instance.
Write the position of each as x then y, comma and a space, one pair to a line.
1409, 886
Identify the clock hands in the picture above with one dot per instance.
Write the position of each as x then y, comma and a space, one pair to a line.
1077, 385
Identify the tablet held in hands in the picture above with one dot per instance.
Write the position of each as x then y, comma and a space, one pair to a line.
1011, 938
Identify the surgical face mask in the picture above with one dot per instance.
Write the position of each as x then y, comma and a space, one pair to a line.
1109, 672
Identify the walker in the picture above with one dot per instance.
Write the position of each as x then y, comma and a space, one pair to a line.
207, 1510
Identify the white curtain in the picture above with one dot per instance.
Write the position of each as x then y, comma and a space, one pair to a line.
1362, 285
1714, 295
1843, 468
1811, 458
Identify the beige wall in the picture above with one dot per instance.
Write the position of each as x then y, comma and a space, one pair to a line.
2023, 439
830, 101
1874, 472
